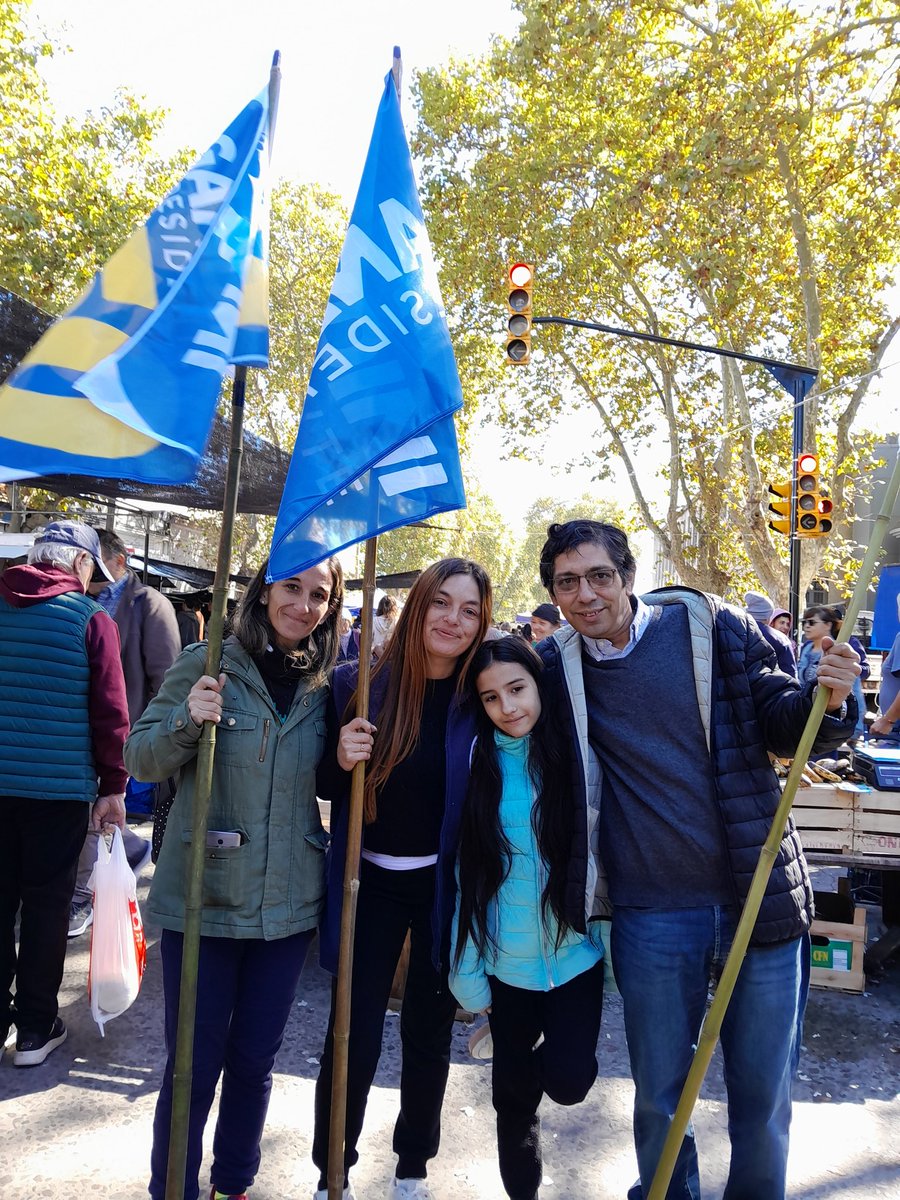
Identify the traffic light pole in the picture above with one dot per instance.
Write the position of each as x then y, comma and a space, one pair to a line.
787, 375
794, 543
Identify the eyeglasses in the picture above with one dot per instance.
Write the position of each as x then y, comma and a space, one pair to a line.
810, 621
597, 579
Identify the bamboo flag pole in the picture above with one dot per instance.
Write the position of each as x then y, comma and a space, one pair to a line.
193, 908
340, 1058
713, 1024
341, 1048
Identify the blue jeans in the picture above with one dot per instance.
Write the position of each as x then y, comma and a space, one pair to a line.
664, 961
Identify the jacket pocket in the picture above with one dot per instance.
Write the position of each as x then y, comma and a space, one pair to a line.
224, 874
238, 736
318, 838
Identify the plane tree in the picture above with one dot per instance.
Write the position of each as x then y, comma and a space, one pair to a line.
722, 172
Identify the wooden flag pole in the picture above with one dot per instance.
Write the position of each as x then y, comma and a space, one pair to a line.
340, 1059
713, 1024
340, 1055
193, 907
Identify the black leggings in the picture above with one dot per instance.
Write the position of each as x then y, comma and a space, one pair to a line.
389, 904
563, 1067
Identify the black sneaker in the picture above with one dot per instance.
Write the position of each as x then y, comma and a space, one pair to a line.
33, 1048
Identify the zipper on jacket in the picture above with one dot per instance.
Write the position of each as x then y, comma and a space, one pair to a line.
265, 740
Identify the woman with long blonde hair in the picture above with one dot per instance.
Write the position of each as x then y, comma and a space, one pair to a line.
417, 746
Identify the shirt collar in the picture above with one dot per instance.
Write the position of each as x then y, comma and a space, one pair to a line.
602, 648
110, 596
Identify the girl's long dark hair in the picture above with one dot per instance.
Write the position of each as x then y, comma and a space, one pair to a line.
484, 851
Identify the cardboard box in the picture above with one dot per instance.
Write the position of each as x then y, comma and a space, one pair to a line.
837, 953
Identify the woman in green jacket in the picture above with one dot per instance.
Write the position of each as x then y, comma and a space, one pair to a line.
263, 883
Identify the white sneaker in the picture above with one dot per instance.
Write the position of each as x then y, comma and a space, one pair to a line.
411, 1189
347, 1194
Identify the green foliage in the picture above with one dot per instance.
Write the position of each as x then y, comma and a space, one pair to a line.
725, 173
307, 232
71, 191
523, 591
477, 532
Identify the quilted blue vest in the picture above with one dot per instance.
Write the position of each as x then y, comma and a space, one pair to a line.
46, 751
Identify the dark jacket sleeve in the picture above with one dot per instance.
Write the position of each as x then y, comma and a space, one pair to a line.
781, 703
107, 703
332, 781
784, 655
865, 669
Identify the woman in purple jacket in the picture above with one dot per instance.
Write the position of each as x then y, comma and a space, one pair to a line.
417, 749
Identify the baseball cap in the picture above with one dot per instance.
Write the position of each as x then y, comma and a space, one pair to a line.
73, 533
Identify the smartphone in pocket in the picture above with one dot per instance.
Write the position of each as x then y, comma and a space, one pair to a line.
221, 839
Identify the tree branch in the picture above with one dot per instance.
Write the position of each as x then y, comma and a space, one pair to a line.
621, 450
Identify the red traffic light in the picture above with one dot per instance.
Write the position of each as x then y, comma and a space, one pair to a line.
807, 463
520, 280
521, 274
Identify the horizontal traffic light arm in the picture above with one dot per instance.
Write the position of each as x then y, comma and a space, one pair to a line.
658, 339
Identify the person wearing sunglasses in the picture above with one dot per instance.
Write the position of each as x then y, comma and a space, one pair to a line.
674, 701
820, 621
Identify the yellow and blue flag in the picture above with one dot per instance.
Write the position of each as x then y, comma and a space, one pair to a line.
125, 383
376, 447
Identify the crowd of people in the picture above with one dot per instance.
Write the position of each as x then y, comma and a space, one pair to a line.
610, 761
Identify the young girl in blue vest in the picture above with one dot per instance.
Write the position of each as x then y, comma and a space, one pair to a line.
515, 954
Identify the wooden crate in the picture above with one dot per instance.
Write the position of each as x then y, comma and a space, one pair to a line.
836, 932
850, 818
825, 817
876, 828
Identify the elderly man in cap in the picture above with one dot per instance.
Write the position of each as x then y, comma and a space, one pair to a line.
545, 620
149, 644
63, 724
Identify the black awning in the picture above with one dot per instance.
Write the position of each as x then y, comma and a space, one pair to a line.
198, 577
403, 579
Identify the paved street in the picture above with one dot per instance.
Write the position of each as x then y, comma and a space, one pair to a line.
80, 1124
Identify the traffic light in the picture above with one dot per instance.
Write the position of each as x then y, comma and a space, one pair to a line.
520, 278
781, 508
814, 508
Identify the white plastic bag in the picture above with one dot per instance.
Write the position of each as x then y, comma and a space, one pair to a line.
118, 950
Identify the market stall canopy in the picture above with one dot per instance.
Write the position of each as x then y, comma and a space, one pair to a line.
263, 469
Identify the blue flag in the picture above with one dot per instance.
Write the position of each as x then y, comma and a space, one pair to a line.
125, 383
376, 447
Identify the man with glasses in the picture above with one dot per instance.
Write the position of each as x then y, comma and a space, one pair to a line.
674, 701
